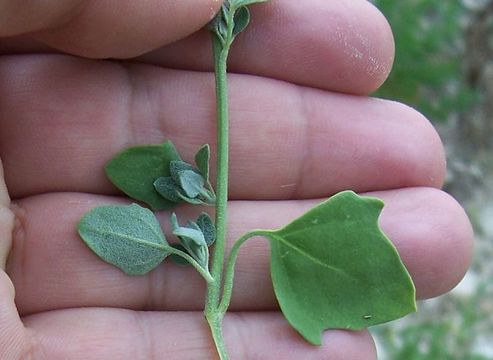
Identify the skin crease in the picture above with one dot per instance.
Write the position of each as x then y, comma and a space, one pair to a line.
305, 66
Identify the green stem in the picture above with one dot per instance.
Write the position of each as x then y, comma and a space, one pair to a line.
204, 272
221, 46
214, 290
230, 269
216, 326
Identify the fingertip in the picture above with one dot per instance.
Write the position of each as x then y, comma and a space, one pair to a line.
433, 235
427, 160
412, 154
351, 52
457, 254
380, 64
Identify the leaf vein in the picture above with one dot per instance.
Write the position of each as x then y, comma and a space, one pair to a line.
310, 257
131, 238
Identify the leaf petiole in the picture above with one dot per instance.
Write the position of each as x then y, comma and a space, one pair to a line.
204, 272
230, 268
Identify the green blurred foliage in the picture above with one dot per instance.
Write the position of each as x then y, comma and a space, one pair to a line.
428, 74
445, 332
427, 71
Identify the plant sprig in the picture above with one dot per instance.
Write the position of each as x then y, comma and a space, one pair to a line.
331, 268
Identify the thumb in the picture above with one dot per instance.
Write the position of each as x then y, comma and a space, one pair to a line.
106, 28
6, 221
13, 339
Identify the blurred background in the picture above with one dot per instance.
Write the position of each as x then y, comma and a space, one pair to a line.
444, 68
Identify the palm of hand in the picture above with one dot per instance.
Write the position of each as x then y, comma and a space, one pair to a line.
297, 134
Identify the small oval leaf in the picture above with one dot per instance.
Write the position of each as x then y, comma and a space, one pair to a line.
202, 159
191, 183
208, 228
241, 19
193, 201
128, 237
190, 234
167, 188
175, 167
238, 3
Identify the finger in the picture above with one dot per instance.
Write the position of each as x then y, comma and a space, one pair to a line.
429, 228
123, 334
6, 221
4, 195
62, 119
13, 338
18, 18
108, 28
14, 341
341, 46
344, 46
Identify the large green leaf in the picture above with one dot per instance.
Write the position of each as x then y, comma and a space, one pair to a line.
135, 169
334, 268
128, 237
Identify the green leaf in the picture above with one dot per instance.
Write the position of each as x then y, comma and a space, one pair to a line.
128, 237
334, 268
190, 234
168, 189
241, 20
231, 9
188, 179
202, 159
135, 169
185, 184
191, 183
192, 239
174, 222
207, 227
178, 260
175, 167
193, 201
239, 3
219, 26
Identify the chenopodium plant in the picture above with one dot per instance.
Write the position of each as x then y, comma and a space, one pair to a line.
331, 268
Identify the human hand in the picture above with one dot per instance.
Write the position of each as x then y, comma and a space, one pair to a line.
298, 130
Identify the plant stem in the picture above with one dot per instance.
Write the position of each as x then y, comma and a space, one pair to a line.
221, 45
215, 324
215, 317
204, 272
214, 289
